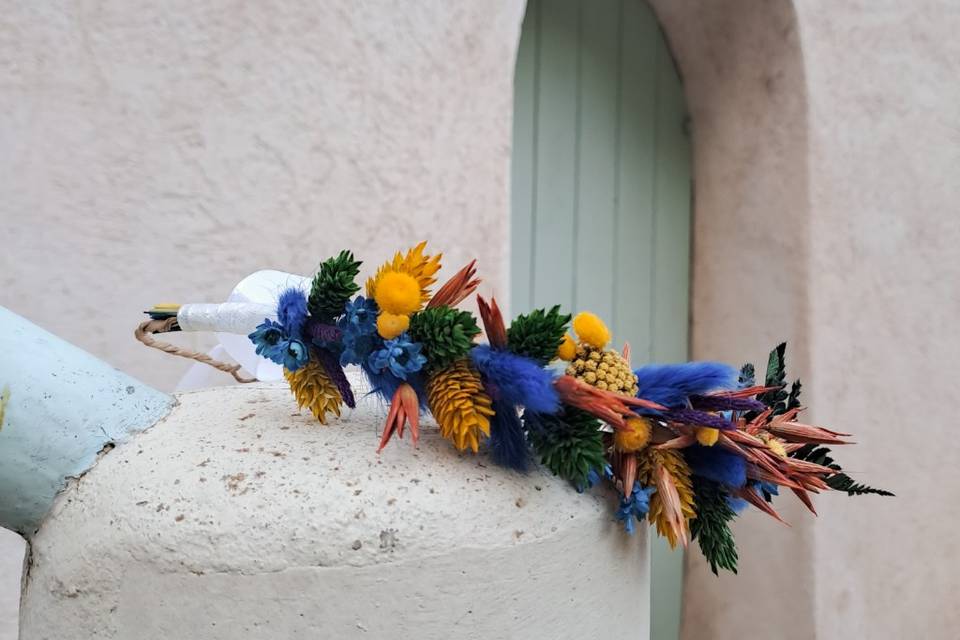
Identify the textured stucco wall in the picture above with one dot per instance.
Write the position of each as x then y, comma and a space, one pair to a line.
156, 152
162, 151
885, 295
744, 86
826, 164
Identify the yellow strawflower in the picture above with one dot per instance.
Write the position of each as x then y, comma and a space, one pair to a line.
421, 267
398, 293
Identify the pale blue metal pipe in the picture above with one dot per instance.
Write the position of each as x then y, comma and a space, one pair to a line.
62, 406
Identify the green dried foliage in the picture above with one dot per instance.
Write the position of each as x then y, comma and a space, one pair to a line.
446, 334
711, 527
747, 376
569, 443
333, 286
840, 481
776, 375
538, 334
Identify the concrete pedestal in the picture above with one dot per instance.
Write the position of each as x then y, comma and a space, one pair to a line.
239, 517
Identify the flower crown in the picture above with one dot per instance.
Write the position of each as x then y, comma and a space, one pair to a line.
686, 446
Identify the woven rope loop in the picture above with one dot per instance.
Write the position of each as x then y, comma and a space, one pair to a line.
144, 333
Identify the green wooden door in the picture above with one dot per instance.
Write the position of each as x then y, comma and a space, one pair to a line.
601, 192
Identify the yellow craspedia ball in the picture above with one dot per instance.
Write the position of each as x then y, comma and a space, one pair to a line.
591, 329
398, 293
567, 349
390, 325
707, 436
634, 437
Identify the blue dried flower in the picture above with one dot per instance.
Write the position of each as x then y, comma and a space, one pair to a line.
359, 327
267, 338
636, 506
273, 344
295, 354
360, 315
399, 355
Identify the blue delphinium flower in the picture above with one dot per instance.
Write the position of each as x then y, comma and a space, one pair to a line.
359, 327
267, 338
399, 355
636, 506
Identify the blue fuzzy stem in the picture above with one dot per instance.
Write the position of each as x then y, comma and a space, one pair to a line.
508, 444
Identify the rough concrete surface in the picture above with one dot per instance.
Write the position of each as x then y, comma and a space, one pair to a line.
238, 516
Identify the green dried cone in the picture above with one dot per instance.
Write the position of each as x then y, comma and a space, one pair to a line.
333, 286
446, 334
538, 335
570, 444
711, 527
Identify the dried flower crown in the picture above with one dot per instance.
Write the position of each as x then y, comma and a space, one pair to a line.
686, 446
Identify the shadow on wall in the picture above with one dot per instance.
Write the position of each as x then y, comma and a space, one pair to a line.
12, 548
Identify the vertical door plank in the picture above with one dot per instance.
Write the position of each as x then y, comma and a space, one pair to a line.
597, 158
554, 256
524, 162
637, 161
671, 282
669, 300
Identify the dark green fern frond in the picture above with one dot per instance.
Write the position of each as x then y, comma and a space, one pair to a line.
538, 334
333, 286
793, 400
776, 377
747, 377
569, 443
711, 527
446, 334
840, 481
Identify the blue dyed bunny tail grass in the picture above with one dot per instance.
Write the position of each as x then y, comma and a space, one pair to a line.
385, 384
671, 384
292, 311
717, 464
516, 380
508, 444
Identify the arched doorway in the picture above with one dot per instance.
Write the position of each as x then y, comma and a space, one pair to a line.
601, 192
